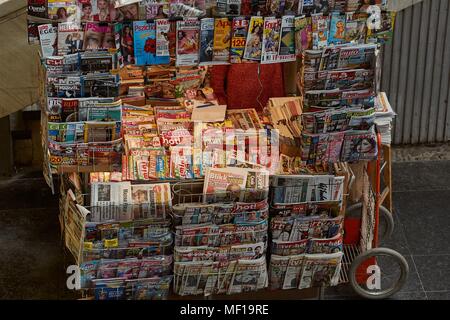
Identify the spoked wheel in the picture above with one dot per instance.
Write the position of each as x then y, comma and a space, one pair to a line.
378, 273
386, 222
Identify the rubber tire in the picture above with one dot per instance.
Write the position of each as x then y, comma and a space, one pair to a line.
384, 213
372, 253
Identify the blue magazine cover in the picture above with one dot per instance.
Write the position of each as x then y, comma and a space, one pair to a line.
145, 44
337, 29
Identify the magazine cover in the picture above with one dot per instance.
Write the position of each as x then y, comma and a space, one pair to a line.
286, 52
162, 38
144, 34
206, 40
156, 9
61, 9
222, 41
253, 44
48, 39
37, 8
319, 24
271, 40
238, 39
233, 7
303, 34
98, 37
275, 7
187, 42
70, 38
355, 27
307, 6
125, 42
291, 7
359, 145
337, 29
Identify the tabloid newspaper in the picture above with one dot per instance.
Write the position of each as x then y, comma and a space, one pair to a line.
187, 49
304, 271
271, 40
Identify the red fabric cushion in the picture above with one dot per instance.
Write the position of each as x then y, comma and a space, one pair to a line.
239, 84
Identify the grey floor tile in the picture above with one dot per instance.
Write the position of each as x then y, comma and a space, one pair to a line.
425, 220
397, 241
434, 271
420, 175
26, 193
31, 260
30, 225
28, 289
439, 295
419, 295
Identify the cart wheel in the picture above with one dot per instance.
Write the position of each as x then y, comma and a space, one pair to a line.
386, 223
393, 272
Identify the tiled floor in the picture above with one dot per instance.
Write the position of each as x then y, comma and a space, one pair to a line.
422, 230
33, 261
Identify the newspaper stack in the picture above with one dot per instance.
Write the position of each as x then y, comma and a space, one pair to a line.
384, 115
220, 244
127, 240
306, 226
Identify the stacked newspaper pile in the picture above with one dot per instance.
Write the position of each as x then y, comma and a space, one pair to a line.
220, 243
126, 241
306, 231
383, 118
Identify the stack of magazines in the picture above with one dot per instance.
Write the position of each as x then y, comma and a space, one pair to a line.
306, 239
128, 242
220, 245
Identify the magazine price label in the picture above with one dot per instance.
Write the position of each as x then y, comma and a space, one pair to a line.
227, 309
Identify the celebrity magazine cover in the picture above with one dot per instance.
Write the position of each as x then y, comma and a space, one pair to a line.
271, 40
253, 44
187, 49
238, 39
